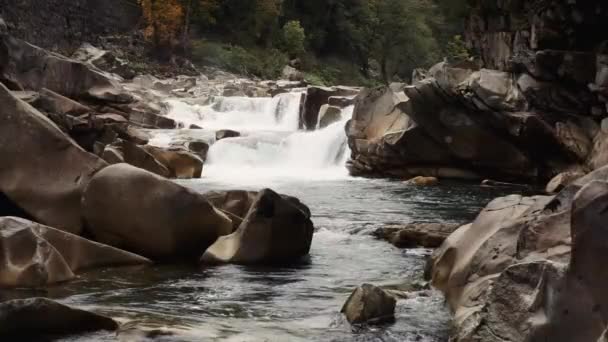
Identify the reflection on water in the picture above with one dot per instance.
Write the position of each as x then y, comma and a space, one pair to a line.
300, 303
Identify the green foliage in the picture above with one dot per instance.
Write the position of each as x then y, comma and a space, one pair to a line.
294, 38
264, 63
457, 50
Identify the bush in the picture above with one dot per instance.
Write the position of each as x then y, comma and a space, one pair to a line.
294, 38
263, 63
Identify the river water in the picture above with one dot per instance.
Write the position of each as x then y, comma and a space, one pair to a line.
302, 302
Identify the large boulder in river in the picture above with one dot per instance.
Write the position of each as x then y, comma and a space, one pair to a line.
276, 230
135, 210
43, 171
34, 255
234, 203
225, 134
180, 162
369, 304
317, 97
123, 151
41, 319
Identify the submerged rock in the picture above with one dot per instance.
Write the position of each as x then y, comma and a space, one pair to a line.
35, 255
276, 230
427, 235
225, 134
41, 318
150, 215
369, 304
423, 181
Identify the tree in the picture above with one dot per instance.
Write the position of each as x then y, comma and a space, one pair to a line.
164, 24
294, 38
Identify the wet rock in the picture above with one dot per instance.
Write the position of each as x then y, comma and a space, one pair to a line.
30, 146
317, 97
198, 147
369, 304
235, 203
341, 101
128, 152
41, 318
193, 126
167, 221
276, 230
427, 235
225, 134
423, 181
180, 162
36, 255
329, 115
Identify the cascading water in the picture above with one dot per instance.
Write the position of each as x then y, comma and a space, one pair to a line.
271, 146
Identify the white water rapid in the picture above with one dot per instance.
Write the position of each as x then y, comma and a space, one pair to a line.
270, 146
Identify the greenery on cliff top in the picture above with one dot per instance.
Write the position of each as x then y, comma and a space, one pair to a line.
331, 41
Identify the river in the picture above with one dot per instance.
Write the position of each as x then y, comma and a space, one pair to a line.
302, 302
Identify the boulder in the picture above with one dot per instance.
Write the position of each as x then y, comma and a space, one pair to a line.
180, 162
235, 203
44, 172
151, 216
151, 120
42, 319
317, 97
136, 155
51, 102
423, 181
292, 74
34, 68
34, 255
225, 134
427, 235
341, 101
198, 147
369, 304
276, 230
329, 115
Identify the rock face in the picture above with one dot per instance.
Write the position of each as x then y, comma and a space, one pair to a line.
369, 304
41, 319
529, 111
427, 235
48, 183
151, 216
276, 230
527, 268
34, 255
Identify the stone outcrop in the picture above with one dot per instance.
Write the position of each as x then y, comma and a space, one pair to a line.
527, 268
150, 215
276, 230
369, 304
315, 98
34, 255
41, 319
43, 171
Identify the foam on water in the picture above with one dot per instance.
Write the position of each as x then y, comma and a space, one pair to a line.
271, 146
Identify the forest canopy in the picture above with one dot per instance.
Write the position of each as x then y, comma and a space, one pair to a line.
351, 41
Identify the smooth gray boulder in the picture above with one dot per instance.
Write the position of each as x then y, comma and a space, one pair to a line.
369, 304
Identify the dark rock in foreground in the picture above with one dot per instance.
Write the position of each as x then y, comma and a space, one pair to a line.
427, 235
276, 230
43, 318
135, 210
369, 304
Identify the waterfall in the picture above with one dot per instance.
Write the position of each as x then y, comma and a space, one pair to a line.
271, 146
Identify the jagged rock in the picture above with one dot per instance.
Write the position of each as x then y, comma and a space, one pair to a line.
151, 216
48, 171
42, 69
36, 255
42, 319
51, 102
130, 153
329, 115
369, 304
276, 230
559, 182
180, 162
427, 235
225, 134
317, 97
